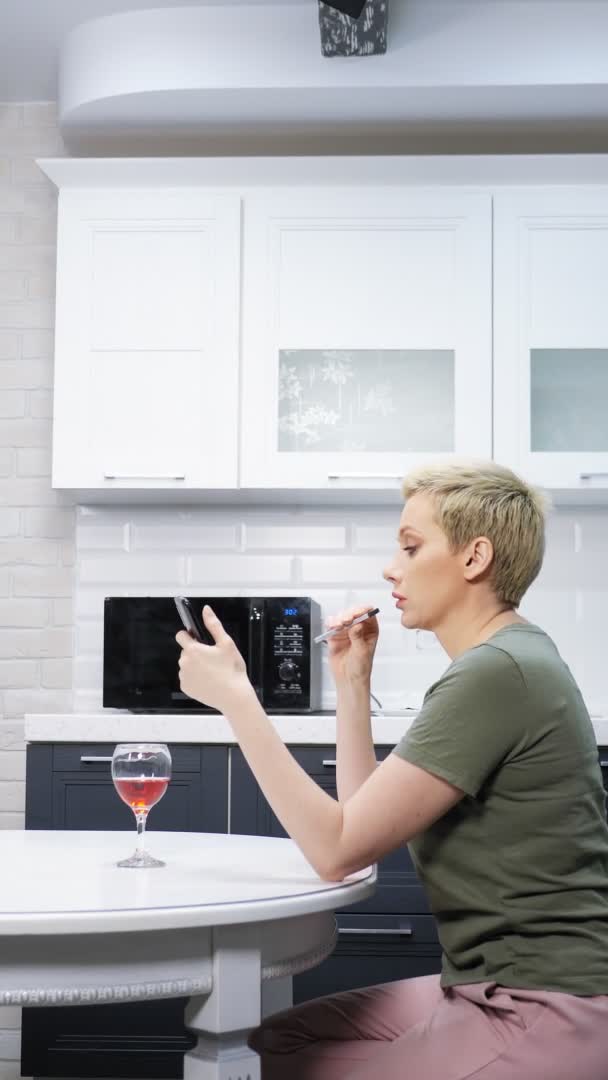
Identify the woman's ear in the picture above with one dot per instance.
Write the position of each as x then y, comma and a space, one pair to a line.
478, 557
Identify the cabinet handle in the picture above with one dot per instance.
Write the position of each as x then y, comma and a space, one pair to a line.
142, 476
365, 476
85, 759
328, 762
603, 762
594, 475
401, 931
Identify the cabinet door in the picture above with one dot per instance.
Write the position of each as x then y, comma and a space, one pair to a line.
551, 335
69, 786
146, 348
366, 334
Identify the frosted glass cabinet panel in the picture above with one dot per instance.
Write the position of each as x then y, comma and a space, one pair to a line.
366, 337
551, 335
348, 400
147, 339
569, 400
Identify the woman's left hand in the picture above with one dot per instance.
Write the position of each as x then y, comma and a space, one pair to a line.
215, 675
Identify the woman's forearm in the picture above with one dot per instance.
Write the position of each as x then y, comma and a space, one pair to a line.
355, 754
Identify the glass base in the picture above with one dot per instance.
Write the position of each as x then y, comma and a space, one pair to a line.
141, 858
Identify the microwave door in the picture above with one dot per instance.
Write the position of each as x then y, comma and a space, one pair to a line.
141, 654
233, 613
155, 655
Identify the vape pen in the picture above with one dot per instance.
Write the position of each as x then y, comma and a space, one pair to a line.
338, 629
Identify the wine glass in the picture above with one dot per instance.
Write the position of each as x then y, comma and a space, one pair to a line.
141, 772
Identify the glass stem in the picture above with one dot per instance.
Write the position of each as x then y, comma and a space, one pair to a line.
140, 818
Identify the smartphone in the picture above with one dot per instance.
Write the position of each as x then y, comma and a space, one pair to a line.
192, 623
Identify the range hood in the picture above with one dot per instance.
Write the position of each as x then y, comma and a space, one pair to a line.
256, 68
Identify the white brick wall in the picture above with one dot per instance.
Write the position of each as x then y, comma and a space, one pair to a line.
36, 525
31, 556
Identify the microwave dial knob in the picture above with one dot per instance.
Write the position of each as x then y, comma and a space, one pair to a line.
288, 670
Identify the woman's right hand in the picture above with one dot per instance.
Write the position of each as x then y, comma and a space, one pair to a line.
351, 652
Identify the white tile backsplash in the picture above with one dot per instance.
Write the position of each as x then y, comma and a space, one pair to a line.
345, 569
301, 537
105, 538
334, 555
122, 570
239, 569
145, 536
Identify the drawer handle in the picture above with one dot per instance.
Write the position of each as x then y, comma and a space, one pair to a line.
378, 931
591, 475
365, 476
143, 476
604, 761
86, 759
329, 762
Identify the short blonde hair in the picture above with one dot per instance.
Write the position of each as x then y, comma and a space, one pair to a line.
486, 499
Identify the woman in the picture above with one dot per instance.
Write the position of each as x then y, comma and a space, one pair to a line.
496, 788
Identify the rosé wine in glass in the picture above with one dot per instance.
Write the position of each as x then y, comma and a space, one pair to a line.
142, 794
141, 773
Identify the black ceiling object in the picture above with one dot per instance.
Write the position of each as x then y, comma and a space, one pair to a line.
343, 35
348, 7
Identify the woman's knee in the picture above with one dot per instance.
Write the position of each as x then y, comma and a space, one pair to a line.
255, 1039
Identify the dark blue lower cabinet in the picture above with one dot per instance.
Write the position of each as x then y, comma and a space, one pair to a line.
70, 787
145, 1041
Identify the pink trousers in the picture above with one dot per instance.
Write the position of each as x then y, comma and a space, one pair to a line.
413, 1030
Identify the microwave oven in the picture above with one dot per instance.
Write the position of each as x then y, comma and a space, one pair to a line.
273, 634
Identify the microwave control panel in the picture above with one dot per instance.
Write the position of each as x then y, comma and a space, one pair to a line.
290, 668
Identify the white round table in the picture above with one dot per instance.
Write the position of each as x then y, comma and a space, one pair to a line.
226, 913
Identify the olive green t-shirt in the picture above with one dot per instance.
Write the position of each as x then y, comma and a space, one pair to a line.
516, 873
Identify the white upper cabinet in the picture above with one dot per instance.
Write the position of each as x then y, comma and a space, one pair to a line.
551, 335
366, 335
147, 339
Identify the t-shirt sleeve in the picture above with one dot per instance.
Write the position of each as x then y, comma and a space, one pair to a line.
470, 720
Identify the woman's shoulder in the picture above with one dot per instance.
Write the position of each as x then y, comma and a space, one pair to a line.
487, 668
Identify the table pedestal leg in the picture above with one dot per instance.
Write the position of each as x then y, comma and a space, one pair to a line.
225, 1057
224, 1018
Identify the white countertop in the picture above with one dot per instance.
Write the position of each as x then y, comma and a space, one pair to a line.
113, 726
